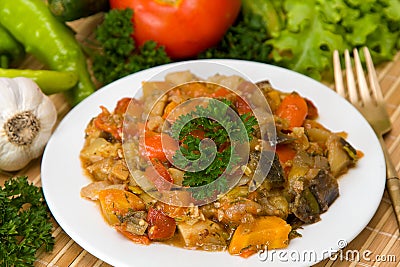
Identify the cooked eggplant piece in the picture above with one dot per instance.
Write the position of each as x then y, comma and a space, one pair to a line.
325, 188
276, 175
274, 205
283, 138
301, 164
318, 195
265, 86
135, 222
306, 207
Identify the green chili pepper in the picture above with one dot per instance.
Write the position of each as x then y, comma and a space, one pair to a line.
69, 10
49, 40
49, 81
11, 51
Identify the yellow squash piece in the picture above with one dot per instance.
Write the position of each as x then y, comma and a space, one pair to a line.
268, 231
115, 202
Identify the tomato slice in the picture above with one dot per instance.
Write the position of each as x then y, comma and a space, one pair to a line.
156, 173
122, 105
105, 122
161, 226
312, 110
158, 146
242, 106
112, 123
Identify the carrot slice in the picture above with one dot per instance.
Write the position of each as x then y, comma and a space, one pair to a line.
285, 153
294, 109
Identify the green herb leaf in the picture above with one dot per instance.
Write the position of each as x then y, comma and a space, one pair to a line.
24, 223
119, 55
301, 35
245, 40
221, 130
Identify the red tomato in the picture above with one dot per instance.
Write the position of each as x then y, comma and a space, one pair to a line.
184, 27
157, 146
161, 226
105, 122
221, 93
242, 106
122, 105
155, 172
312, 110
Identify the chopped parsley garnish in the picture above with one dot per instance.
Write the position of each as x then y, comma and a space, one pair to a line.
24, 223
215, 122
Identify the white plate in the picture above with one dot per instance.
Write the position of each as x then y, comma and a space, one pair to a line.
361, 188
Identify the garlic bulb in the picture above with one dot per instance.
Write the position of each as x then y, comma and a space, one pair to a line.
27, 117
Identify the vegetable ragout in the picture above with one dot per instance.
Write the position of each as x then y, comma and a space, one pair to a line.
301, 183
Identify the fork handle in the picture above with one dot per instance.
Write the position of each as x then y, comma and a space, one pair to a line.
393, 187
392, 182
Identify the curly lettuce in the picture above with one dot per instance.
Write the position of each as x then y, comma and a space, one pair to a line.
303, 34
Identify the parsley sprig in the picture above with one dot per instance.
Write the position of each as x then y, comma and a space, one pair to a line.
24, 223
217, 124
119, 54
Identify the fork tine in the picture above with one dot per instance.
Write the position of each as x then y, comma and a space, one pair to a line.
337, 71
351, 83
362, 83
375, 113
373, 79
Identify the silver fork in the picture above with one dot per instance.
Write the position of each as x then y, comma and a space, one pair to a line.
369, 101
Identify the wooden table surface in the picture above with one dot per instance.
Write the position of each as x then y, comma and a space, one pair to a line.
379, 241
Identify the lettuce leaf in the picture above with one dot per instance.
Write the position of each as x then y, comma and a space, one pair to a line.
303, 34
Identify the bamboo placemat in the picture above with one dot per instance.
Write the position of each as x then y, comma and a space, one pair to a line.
377, 245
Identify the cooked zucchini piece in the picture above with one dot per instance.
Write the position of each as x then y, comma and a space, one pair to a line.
351, 151
338, 158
